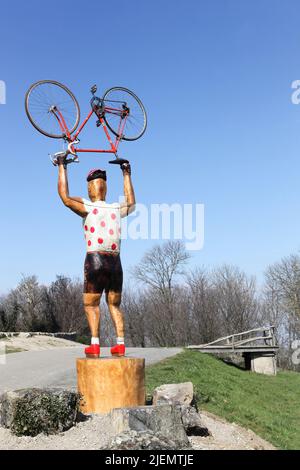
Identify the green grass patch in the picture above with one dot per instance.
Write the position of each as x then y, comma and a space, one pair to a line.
268, 405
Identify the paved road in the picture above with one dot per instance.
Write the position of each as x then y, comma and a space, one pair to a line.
57, 367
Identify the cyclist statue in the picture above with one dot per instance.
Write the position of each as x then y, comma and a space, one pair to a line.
102, 267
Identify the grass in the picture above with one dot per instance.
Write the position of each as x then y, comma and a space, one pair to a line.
268, 405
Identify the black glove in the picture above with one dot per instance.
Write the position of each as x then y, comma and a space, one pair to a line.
124, 165
61, 161
126, 168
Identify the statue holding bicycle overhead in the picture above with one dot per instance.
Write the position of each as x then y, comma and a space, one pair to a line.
102, 267
54, 111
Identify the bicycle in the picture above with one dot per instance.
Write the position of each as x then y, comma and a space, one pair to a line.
54, 111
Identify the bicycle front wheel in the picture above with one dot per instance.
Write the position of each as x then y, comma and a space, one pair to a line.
42, 99
117, 99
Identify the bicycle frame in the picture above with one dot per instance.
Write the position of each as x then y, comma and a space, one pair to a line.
113, 145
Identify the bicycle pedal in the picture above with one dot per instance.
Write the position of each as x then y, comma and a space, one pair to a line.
118, 161
93, 89
98, 123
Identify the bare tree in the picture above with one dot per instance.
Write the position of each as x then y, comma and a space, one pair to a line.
161, 265
282, 303
10, 313
205, 323
284, 279
64, 304
3, 314
135, 321
158, 271
25, 306
236, 300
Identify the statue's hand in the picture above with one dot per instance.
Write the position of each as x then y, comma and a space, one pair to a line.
59, 158
126, 168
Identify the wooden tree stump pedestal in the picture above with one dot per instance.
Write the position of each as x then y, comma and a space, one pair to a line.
108, 383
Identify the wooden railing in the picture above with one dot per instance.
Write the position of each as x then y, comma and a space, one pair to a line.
263, 337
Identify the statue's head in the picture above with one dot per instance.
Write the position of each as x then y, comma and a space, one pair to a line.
97, 185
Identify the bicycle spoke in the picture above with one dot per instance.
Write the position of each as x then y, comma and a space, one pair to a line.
47, 95
121, 99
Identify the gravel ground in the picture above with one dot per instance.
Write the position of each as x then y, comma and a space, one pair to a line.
227, 436
91, 434
94, 433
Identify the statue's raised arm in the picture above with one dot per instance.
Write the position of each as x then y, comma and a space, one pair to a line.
74, 203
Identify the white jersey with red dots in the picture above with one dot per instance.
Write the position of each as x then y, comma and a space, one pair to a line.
102, 226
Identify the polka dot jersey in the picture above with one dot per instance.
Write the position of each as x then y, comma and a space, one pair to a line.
102, 226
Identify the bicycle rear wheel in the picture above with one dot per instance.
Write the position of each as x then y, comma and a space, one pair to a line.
45, 95
136, 122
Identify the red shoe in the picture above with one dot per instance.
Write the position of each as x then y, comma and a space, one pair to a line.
92, 351
118, 350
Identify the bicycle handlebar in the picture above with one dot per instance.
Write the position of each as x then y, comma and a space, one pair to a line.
69, 151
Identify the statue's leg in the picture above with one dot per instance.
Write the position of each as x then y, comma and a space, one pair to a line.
113, 300
94, 282
113, 293
92, 310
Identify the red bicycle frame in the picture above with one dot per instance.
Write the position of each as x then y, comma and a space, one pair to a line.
113, 145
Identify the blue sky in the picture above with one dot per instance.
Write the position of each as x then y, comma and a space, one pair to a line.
215, 77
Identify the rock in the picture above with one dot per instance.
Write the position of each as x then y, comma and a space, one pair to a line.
191, 421
175, 394
143, 440
182, 396
32, 411
164, 420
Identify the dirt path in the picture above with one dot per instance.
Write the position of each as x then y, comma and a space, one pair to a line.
227, 436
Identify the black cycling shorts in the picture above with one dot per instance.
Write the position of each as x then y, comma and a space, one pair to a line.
102, 271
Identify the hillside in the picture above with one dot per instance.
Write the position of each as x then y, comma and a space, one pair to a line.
267, 405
